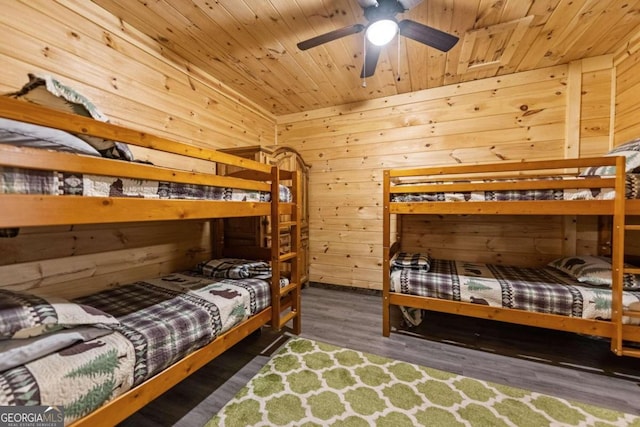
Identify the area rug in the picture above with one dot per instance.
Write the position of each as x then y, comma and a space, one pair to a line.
309, 383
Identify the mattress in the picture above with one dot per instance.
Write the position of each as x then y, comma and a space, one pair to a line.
632, 190
161, 321
26, 181
542, 290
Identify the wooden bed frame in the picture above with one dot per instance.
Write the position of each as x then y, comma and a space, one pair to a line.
431, 179
44, 210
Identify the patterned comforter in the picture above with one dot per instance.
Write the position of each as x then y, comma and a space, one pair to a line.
632, 192
532, 289
161, 321
23, 181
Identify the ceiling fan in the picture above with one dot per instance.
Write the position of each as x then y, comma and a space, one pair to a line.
381, 15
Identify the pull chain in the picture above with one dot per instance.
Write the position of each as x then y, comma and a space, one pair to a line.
364, 59
398, 38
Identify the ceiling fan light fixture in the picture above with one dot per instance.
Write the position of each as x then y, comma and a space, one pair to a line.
382, 31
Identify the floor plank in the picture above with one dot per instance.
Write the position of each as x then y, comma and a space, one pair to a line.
562, 364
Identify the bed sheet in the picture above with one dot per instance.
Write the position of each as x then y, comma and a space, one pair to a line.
25, 181
161, 321
542, 290
632, 189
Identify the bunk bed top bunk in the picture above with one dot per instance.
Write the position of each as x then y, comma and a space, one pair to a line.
257, 177
544, 297
554, 187
152, 333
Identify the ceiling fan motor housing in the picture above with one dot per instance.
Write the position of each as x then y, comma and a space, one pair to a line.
386, 9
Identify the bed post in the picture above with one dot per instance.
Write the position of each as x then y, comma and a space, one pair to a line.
617, 257
386, 246
296, 242
275, 248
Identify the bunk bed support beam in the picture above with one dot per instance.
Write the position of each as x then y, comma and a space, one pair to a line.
521, 317
386, 257
27, 210
617, 258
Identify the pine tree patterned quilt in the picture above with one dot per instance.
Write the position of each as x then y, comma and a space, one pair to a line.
532, 289
161, 321
632, 191
26, 181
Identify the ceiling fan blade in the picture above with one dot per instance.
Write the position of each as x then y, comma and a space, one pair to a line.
371, 60
330, 36
409, 4
427, 35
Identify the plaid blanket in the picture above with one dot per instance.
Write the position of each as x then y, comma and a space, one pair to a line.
540, 290
23, 181
161, 321
169, 317
632, 192
235, 268
416, 261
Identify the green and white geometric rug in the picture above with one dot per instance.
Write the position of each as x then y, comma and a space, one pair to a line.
308, 383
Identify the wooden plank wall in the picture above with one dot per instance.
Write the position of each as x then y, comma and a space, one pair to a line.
556, 112
594, 136
627, 117
138, 84
129, 76
78, 260
627, 88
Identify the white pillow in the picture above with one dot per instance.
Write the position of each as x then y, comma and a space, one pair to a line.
594, 270
631, 151
28, 135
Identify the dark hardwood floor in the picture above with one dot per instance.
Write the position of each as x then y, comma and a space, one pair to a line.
562, 364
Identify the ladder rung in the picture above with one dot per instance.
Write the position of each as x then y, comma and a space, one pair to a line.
632, 227
286, 289
631, 313
632, 270
286, 208
287, 256
287, 317
287, 224
628, 351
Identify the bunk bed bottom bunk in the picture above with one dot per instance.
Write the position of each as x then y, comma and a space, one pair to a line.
129, 344
543, 297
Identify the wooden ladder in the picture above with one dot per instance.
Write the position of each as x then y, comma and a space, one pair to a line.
620, 228
620, 348
286, 217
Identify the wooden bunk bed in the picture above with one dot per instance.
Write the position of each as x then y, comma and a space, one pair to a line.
36, 210
461, 190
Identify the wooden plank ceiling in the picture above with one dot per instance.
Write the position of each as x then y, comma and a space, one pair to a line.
250, 45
